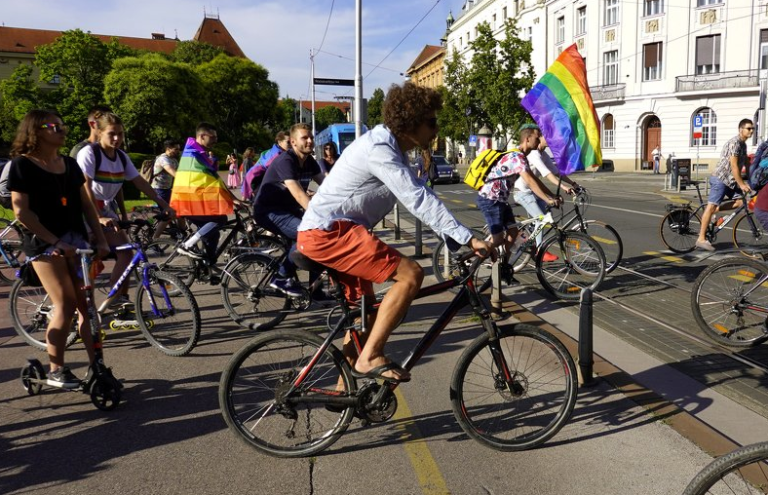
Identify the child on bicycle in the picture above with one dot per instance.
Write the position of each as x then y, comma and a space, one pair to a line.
493, 198
49, 199
106, 167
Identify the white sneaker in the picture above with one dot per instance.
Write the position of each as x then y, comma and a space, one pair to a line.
705, 246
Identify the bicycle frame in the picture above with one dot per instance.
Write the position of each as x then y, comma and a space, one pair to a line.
466, 296
13, 263
138, 259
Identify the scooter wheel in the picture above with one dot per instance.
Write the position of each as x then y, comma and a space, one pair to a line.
31, 379
105, 393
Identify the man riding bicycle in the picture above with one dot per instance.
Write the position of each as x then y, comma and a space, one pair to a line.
369, 177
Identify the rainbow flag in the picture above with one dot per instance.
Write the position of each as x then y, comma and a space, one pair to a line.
259, 168
561, 105
197, 188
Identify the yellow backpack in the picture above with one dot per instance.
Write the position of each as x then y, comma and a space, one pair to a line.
478, 170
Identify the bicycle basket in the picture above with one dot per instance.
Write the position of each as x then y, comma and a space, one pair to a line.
677, 206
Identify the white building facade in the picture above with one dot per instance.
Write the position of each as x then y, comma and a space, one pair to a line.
652, 66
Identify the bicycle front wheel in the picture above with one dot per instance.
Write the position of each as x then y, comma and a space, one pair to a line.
743, 471
257, 406
524, 410
750, 237
730, 302
680, 229
31, 310
247, 296
609, 241
580, 264
11, 244
173, 325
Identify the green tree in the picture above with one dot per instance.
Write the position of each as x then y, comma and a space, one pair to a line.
328, 115
156, 99
79, 62
238, 92
195, 52
460, 107
375, 104
18, 95
285, 114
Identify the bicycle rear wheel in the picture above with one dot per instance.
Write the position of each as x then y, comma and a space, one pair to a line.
254, 405
525, 411
730, 302
609, 240
580, 264
175, 329
31, 310
743, 471
750, 237
679, 230
11, 243
247, 296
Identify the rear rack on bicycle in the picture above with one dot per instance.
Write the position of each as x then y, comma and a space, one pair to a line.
677, 206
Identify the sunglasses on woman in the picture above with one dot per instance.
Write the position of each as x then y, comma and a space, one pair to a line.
54, 127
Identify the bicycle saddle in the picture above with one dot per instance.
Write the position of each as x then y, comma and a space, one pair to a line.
309, 265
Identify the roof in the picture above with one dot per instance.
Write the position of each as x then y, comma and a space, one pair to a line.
23, 40
428, 53
213, 31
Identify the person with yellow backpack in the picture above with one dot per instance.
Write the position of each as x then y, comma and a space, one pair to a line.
496, 187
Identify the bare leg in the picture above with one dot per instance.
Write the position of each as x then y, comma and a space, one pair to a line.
408, 278
705, 219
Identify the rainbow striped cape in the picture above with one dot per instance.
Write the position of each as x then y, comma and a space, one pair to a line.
259, 168
197, 188
561, 105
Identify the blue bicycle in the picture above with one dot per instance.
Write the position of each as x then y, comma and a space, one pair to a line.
165, 310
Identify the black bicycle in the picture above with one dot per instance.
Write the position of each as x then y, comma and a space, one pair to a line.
290, 393
743, 471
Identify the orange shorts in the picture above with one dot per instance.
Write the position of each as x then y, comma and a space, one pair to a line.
360, 258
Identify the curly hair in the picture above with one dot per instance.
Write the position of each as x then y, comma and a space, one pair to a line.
26, 134
406, 107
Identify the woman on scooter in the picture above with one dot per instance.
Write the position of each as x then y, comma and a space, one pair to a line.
49, 199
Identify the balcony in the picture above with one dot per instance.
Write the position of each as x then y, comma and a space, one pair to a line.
608, 92
719, 80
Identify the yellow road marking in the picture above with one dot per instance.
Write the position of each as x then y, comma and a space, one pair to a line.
457, 201
424, 465
673, 259
603, 241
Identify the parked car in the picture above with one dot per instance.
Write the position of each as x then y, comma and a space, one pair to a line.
446, 173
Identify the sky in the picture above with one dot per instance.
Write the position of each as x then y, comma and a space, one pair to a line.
278, 34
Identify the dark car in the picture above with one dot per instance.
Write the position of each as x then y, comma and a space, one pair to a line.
446, 173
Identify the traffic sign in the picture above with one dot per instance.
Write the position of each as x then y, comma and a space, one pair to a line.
473, 140
334, 82
698, 123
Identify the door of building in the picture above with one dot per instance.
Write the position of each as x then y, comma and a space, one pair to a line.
652, 139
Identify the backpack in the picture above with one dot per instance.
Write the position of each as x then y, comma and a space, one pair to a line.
478, 170
758, 176
148, 170
97, 152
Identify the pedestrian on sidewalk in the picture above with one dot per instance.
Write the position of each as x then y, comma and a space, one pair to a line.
726, 180
656, 154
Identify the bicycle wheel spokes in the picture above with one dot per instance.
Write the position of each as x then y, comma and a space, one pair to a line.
174, 328
679, 230
609, 240
525, 411
730, 303
580, 264
11, 243
247, 296
31, 310
163, 253
743, 471
749, 237
253, 388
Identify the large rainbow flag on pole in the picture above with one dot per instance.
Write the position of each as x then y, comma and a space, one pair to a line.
561, 105
197, 188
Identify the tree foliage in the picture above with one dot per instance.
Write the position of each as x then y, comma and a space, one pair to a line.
156, 98
328, 115
18, 95
195, 52
375, 105
460, 108
238, 92
285, 114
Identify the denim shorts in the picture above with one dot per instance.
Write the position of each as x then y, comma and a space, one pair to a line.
498, 214
718, 191
164, 194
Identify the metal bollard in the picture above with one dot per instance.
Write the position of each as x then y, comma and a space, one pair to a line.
397, 221
585, 360
419, 242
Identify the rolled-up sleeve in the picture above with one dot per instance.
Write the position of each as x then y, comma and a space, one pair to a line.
386, 164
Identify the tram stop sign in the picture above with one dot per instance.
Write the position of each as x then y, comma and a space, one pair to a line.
698, 123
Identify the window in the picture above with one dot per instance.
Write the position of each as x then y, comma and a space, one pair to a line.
611, 67
611, 12
652, 61
504, 13
560, 30
461, 41
704, 3
468, 38
708, 54
653, 7
581, 20
608, 131
530, 33
494, 21
763, 62
708, 129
